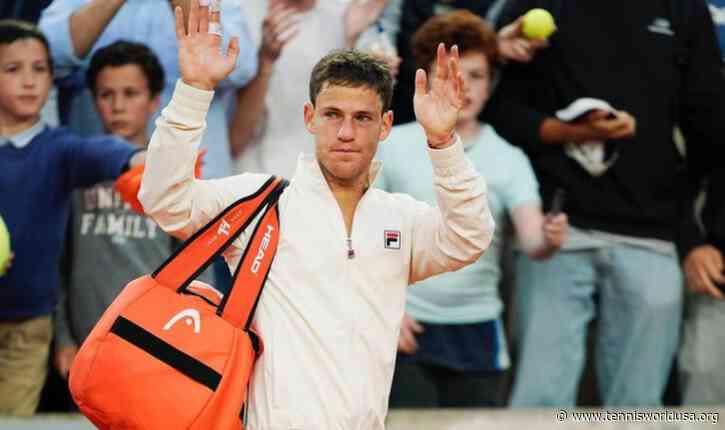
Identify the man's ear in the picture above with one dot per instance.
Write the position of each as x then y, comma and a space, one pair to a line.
310, 118
387, 125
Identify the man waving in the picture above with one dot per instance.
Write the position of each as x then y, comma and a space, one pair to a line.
333, 301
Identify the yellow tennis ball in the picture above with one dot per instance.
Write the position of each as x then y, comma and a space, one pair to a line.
538, 24
4, 246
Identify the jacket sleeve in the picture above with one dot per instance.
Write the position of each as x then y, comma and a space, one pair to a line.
460, 229
170, 194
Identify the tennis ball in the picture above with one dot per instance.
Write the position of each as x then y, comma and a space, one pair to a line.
538, 24
4, 246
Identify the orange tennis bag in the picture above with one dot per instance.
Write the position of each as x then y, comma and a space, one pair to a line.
173, 353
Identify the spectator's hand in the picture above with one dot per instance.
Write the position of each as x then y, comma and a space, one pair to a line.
437, 107
514, 46
359, 15
279, 27
703, 268
603, 125
201, 61
408, 330
556, 230
64, 357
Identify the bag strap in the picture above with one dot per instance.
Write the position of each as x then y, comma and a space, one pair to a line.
238, 305
197, 252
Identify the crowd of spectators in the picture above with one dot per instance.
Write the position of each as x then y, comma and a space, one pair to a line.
614, 220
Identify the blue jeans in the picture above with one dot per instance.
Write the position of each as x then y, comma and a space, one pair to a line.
639, 310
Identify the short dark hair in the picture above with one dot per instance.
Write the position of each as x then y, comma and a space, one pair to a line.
350, 68
12, 30
461, 27
122, 53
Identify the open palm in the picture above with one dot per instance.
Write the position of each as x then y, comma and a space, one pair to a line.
201, 61
437, 106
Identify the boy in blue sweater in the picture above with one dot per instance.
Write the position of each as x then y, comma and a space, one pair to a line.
39, 169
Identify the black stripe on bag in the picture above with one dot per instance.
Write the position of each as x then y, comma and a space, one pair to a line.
179, 360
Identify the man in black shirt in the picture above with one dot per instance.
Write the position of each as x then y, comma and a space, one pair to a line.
657, 64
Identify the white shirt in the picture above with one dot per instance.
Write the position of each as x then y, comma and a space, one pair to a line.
284, 135
329, 324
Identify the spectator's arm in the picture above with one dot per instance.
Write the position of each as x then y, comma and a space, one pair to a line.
55, 24
92, 160
74, 26
250, 109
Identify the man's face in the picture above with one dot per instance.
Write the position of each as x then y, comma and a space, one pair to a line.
347, 124
476, 80
124, 101
25, 80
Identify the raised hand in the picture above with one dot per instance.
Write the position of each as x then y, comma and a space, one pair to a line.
359, 15
201, 61
279, 26
437, 106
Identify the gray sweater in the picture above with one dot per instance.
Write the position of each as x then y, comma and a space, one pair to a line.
108, 246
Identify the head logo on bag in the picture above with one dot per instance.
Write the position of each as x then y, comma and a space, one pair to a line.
192, 317
262, 248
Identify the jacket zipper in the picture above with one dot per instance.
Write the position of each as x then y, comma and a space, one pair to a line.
350, 250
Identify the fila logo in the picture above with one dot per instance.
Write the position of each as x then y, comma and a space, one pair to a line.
262, 248
190, 316
224, 228
392, 239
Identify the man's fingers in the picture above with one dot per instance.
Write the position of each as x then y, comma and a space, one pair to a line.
287, 35
284, 26
712, 270
203, 19
441, 71
416, 327
281, 15
421, 83
232, 53
407, 342
713, 292
193, 27
179, 17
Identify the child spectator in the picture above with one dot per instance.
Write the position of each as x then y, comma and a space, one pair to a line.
126, 80
39, 169
452, 350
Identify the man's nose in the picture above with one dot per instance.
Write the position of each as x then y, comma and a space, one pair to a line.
346, 132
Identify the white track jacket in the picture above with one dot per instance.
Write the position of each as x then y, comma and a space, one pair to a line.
329, 323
